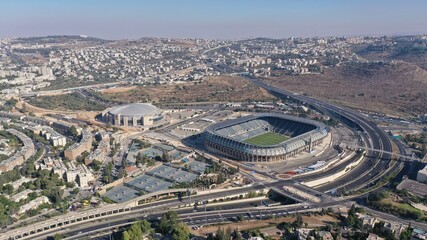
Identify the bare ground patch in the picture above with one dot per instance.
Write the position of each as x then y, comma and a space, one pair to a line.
218, 89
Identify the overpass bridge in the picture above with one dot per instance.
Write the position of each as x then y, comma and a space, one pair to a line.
88, 216
301, 193
114, 210
288, 194
405, 158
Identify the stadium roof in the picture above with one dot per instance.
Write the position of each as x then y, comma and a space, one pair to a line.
212, 134
134, 109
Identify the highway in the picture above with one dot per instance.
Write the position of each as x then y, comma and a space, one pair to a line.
195, 218
371, 167
191, 218
217, 216
375, 138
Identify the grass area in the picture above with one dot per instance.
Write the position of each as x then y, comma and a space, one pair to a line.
66, 102
403, 206
267, 139
391, 203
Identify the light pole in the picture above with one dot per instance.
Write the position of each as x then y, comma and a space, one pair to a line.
110, 231
204, 203
189, 193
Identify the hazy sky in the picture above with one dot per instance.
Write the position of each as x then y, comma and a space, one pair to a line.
216, 19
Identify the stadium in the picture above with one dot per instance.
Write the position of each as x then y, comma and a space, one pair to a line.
135, 114
264, 137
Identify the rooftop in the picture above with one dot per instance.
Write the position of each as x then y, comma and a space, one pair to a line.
134, 109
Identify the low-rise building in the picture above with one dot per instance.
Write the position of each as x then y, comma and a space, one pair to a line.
325, 235
21, 195
414, 187
304, 233
71, 172
19, 182
33, 204
26, 151
79, 174
101, 152
77, 149
422, 175
418, 234
55, 138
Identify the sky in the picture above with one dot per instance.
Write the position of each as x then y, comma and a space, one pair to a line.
212, 19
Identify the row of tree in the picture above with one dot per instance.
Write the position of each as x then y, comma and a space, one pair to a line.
168, 225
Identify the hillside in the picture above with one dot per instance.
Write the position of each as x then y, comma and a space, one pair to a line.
396, 88
403, 49
212, 89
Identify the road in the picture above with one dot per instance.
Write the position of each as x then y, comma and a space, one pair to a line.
187, 215
219, 216
372, 167
375, 138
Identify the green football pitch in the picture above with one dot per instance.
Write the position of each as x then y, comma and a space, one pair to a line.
267, 139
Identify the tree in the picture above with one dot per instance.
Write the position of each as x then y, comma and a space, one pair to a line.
228, 233
135, 232
125, 235
285, 226
298, 222
167, 222
180, 232
220, 234
107, 172
406, 235
57, 237
11, 102
165, 157
352, 220
7, 189
122, 173
75, 191
96, 165
32, 195
109, 167
54, 194
382, 231
236, 235
145, 226
73, 131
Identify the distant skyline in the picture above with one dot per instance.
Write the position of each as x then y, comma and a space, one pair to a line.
213, 19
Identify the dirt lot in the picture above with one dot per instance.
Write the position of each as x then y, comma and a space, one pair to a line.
118, 89
399, 88
217, 89
313, 221
83, 115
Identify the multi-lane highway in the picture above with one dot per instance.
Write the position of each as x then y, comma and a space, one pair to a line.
375, 138
190, 217
372, 167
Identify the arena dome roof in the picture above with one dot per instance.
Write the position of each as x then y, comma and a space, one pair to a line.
134, 110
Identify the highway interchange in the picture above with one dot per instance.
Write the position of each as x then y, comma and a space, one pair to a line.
369, 171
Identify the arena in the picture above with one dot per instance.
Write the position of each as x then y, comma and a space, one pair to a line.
264, 137
132, 115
